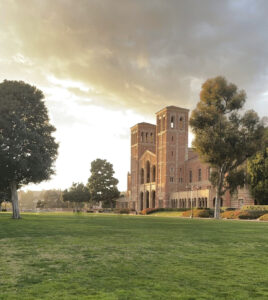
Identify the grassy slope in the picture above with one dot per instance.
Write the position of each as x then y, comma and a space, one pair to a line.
131, 257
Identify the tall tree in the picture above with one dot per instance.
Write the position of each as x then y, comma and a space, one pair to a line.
27, 147
224, 138
102, 184
77, 194
258, 173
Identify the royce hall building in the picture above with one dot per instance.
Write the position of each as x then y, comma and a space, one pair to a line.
166, 173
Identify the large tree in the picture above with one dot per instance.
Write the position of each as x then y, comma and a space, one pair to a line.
224, 137
102, 184
27, 147
77, 194
258, 173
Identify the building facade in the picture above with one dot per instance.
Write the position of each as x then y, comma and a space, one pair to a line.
164, 172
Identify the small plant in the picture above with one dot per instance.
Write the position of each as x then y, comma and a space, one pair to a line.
197, 213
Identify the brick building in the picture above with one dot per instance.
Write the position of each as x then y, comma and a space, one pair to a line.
165, 172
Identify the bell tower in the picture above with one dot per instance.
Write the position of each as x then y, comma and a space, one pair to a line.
171, 151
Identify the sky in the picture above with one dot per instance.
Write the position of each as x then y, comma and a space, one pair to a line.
106, 65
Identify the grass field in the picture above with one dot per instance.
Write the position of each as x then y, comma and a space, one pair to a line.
131, 257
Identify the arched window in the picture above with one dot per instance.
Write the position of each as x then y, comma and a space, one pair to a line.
199, 175
142, 176
141, 200
147, 199
172, 122
154, 171
146, 137
142, 137
190, 176
153, 199
181, 123
151, 137
147, 171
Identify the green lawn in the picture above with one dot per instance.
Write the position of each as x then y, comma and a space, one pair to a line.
131, 257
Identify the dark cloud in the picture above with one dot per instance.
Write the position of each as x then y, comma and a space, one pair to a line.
141, 54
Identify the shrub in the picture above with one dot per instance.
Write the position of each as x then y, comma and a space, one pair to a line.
230, 214
124, 211
197, 213
148, 211
264, 217
251, 214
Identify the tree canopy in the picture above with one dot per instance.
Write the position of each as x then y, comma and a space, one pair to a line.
224, 138
102, 184
258, 173
78, 194
27, 146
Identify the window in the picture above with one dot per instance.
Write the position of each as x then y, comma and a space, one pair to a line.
142, 137
199, 175
172, 122
153, 174
142, 176
151, 137
146, 137
147, 171
172, 153
190, 176
181, 123
171, 179
172, 138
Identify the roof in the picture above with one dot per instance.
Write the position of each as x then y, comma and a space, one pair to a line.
172, 107
143, 123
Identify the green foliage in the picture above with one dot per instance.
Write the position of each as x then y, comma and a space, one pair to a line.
28, 149
224, 138
258, 173
251, 214
102, 185
77, 193
148, 211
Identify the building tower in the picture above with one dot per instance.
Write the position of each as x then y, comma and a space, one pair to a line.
142, 139
171, 151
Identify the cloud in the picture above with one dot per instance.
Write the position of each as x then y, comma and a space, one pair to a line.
140, 54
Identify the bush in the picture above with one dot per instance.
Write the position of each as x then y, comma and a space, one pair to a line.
264, 217
124, 211
148, 211
230, 214
197, 213
251, 214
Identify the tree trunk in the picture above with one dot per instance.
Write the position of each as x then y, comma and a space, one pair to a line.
14, 200
218, 195
217, 204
